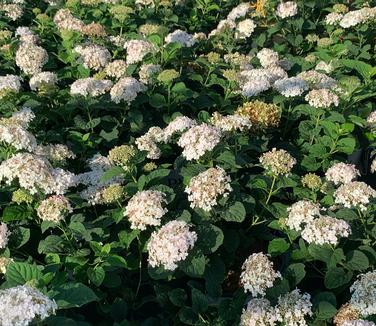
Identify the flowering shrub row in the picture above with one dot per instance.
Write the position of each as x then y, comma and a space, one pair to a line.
187, 163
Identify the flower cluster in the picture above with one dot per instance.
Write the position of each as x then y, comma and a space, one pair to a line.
355, 194
93, 56
341, 173
4, 234
300, 213
145, 208
231, 122
126, 89
322, 98
54, 208
277, 162
363, 294
326, 229
287, 9
293, 307
262, 115
199, 140
22, 304
205, 188
258, 274
170, 245
259, 312
35, 173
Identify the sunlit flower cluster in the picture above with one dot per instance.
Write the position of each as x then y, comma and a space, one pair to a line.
170, 245
258, 274
205, 188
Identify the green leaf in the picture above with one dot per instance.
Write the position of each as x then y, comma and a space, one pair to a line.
178, 297
21, 273
336, 277
16, 213
235, 213
157, 101
194, 266
188, 316
356, 260
209, 237
295, 273
111, 173
199, 301
20, 237
52, 244
325, 310
346, 145
364, 69
278, 246
96, 275
73, 295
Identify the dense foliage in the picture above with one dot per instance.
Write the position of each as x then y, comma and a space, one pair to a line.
189, 162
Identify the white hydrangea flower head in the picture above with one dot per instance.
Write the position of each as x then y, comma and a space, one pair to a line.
231, 122
148, 142
301, 213
64, 20
23, 117
90, 87
116, 69
13, 131
126, 89
170, 245
293, 308
341, 173
323, 66
34, 173
333, 18
277, 162
9, 83
356, 17
322, 98
199, 140
373, 166
287, 9
30, 58
326, 230
137, 50
259, 312
371, 119
364, 293
178, 125
245, 28
55, 153
146, 208
4, 262
268, 57
183, 38
20, 305
317, 80
205, 188
148, 73
93, 56
239, 11
254, 88
358, 322
4, 235
291, 87
355, 194
258, 274
54, 209
43, 79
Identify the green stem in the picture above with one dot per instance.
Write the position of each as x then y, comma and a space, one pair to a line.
314, 130
271, 190
140, 268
